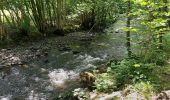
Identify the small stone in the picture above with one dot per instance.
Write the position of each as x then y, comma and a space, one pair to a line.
37, 79
43, 70
25, 66
3, 50
93, 95
117, 31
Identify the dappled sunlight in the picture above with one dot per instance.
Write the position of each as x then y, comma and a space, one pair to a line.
84, 49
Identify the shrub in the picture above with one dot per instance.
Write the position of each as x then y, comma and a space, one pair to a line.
130, 71
155, 56
104, 82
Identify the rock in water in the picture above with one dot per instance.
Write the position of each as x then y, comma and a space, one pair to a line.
87, 79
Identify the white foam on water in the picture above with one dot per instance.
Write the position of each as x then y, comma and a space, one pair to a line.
58, 77
86, 59
84, 67
5, 97
36, 96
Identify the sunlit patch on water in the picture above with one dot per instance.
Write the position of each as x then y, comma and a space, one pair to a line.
62, 79
90, 59
85, 67
86, 59
5, 97
59, 77
36, 96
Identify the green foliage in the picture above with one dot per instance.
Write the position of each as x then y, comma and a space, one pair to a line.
132, 71
26, 23
145, 89
150, 52
129, 71
82, 94
153, 17
83, 7
104, 82
98, 12
107, 11
153, 55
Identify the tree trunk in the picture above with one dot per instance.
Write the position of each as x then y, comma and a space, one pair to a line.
160, 34
160, 40
1, 34
165, 9
128, 37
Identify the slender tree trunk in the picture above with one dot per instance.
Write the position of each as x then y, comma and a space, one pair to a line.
128, 37
1, 34
160, 40
166, 10
37, 8
160, 34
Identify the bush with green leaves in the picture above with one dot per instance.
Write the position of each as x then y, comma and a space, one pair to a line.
104, 82
158, 57
130, 71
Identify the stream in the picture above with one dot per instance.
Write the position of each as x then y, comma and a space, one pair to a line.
45, 69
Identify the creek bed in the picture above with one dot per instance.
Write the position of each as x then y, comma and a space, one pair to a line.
52, 66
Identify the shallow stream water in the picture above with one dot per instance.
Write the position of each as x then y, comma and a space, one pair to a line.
46, 77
